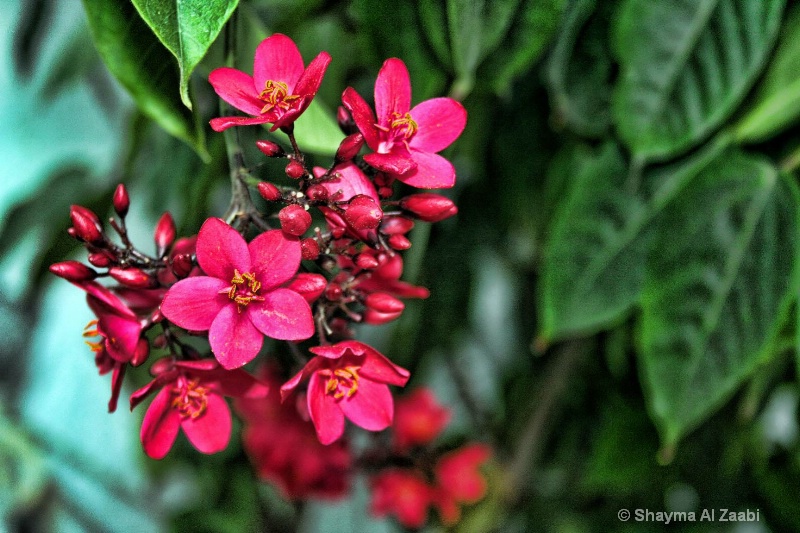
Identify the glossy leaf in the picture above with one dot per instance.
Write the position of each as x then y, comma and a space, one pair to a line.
685, 66
776, 103
187, 28
717, 289
136, 58
594, 263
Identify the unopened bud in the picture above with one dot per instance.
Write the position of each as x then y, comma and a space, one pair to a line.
73, 271
294, 220
376, 318
309, 249
385, 192
345, 120
133, 277
317, 193
309, 286
333, 292
363, 212
366, 261
182, 265
399, 242
121, 200
349, 147
141, 353
295, 170
270, 149
86, 224
429, 207
268, 191
100, 259
164, 234
396, 225
384, 303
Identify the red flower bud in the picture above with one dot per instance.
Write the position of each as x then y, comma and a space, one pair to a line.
399, 242
385, 192
73, 271
317, 193
345, 120
376, 318
309, 286
384, 303
295, 170
182, 265
366, 261
363, 212
270, 149
121, 200
86, 224
164, 234
384, 180
133, 277
429, 207
141, 353
100, 259
309, 248
268, 191
333, 292
294, 220
349, 147
396, 225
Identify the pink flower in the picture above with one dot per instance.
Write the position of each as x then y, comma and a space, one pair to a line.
191, 398
284, 449
348, 182
241, 298
418, 419
348, 379
405, 141
279, 90
403, 493
460, 480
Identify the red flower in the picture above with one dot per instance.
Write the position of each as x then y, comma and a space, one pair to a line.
191, 398
405, 141
403, 493
348, 379
279, 90
284, 449
240, 298
460, 480
418, 419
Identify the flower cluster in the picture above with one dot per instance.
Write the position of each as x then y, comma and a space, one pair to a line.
267, 274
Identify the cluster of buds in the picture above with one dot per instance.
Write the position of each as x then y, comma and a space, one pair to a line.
301, 283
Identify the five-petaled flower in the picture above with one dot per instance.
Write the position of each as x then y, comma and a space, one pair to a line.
191, 398
241, 298
349, 379
279, 90
405, 141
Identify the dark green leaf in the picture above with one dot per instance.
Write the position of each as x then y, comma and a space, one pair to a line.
433, 19
187, 28
136, 58
776, 103
686, 65
718, 287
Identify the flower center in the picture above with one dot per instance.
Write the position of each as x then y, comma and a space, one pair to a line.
401, 129
276, 96
190, 398
244, 289
91, 330
342, 382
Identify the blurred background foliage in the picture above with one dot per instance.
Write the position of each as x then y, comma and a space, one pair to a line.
613, 309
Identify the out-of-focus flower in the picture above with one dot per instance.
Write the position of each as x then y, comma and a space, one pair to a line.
402, 493
418, 419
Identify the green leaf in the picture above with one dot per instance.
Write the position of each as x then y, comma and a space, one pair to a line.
718, 287
22, 470
579, 70
187, 28
685, 66
136, 58
595, 258
433, 20
776, 103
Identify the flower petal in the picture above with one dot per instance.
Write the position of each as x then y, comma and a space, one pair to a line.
211, 431
310, 80
239, 384
277, 59
194, 303
283, 315
433, 172
392, 91
362, 115
378, 368
439, 122
223, 123
325, 413
275, 257
220, 250
371, 407
350, 180
236, 88
233, 338
122, 335
393, 163
160, 426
